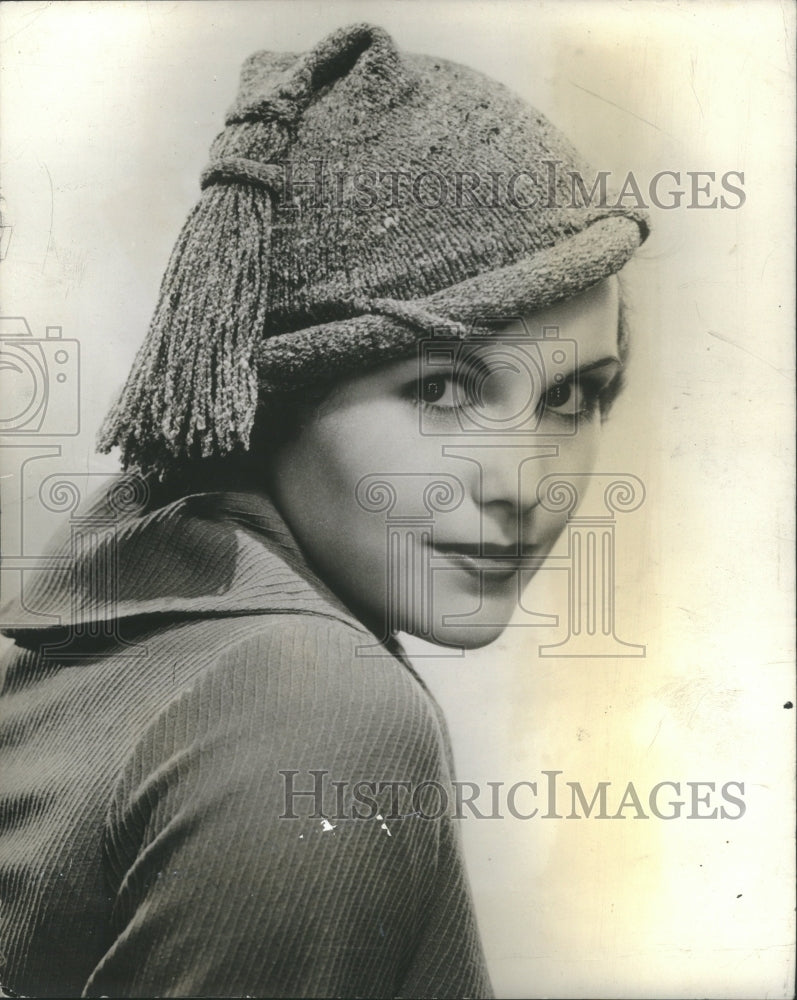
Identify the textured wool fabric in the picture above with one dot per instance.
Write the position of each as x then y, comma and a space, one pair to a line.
142, 851
358, 199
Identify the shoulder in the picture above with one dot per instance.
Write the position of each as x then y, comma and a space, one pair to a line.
288, 710
297, 691
318, 676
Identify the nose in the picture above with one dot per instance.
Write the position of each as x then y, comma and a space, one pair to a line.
503, 480
509, 473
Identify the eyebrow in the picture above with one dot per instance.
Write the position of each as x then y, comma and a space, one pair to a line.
475, 361
610, 359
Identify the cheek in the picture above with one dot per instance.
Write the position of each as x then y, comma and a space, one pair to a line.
317, 476
375, 440
578, 457
343, 529
588, 444
579, 453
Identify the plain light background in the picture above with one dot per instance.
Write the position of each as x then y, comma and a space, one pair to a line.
107, 113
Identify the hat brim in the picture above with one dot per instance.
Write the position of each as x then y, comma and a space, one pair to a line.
534, 282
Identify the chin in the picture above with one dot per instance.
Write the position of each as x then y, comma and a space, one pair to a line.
464, 636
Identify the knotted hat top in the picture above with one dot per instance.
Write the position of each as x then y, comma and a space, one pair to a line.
358, 199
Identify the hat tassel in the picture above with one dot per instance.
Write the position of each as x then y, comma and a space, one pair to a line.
193, 389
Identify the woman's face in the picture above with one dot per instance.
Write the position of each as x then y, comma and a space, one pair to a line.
485, 420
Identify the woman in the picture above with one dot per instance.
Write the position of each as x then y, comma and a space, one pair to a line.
384, 322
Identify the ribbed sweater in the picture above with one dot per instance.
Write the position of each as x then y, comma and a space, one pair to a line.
144, 849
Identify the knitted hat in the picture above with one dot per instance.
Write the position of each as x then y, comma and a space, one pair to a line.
358, 200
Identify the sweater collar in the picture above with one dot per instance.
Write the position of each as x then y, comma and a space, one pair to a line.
220, 553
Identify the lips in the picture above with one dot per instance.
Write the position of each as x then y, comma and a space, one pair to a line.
500, 562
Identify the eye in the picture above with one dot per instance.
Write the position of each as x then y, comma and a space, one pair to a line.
439, 392
571, 398
558, 396
433, 388
454, 387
